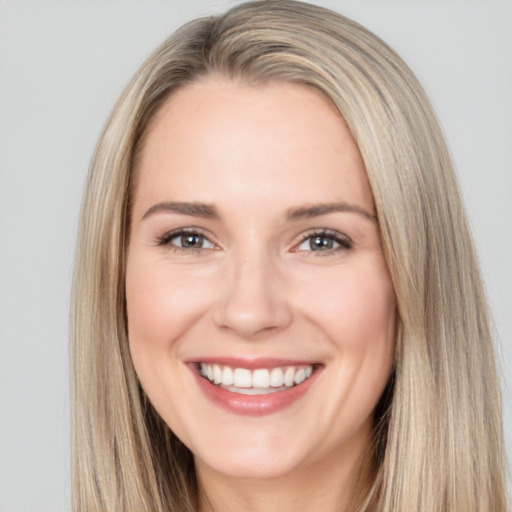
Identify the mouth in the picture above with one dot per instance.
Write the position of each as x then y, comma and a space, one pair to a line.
254, 387
258, 381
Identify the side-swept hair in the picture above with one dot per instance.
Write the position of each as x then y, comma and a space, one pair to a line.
437, 440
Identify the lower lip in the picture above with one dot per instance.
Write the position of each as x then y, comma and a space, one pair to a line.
254, 405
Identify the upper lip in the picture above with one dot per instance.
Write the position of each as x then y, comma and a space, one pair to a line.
253, 363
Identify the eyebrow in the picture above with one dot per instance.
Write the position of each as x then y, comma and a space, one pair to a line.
209, 211
193, 209
317, 210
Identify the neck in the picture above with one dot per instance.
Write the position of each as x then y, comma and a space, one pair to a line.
335, 485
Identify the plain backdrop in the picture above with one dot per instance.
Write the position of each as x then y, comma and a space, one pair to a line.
62, 66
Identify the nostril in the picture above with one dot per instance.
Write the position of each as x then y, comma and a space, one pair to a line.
251, 302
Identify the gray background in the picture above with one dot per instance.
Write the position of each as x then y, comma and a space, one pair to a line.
63, 64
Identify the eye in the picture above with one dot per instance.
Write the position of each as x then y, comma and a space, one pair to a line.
186, 240
324, 241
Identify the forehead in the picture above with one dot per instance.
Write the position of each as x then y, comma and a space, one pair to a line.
219, 138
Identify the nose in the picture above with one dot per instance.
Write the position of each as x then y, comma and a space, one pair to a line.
253, 301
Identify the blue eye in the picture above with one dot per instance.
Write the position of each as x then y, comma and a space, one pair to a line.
324, 242
183, 240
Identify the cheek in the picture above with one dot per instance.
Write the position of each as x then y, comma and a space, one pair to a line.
161, 303
356, 307
370, 312
359, 317
357, 314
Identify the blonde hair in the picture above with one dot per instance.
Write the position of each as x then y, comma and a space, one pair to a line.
437, 433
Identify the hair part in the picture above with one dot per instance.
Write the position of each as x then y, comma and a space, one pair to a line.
437, 435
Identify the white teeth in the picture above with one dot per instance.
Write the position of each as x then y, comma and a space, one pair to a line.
276, 377
300, 376
288, 376
253, 391
242, 378
259, 381
217, 374
227, 376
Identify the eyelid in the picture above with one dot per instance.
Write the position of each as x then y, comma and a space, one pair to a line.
343, 240
164, 240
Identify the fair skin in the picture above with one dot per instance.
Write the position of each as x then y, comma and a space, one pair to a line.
280, 266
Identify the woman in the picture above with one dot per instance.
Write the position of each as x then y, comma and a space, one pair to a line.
277, 302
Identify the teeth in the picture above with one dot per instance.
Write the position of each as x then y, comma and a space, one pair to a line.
300, 376
288, 376
227, 376
276, 377
242, 378
260, 381
254, 391
217, 374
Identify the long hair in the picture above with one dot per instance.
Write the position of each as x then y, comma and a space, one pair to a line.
437, 439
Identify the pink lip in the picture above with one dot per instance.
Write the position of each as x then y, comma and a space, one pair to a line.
251, 364
253, 405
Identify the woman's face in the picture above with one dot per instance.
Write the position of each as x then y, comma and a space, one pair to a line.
261, 315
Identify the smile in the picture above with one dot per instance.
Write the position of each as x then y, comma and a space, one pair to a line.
254, 387
259, 381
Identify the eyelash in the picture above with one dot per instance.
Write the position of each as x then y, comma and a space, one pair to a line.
166, 239
344, 243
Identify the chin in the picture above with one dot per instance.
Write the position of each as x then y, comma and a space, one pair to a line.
255, 467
